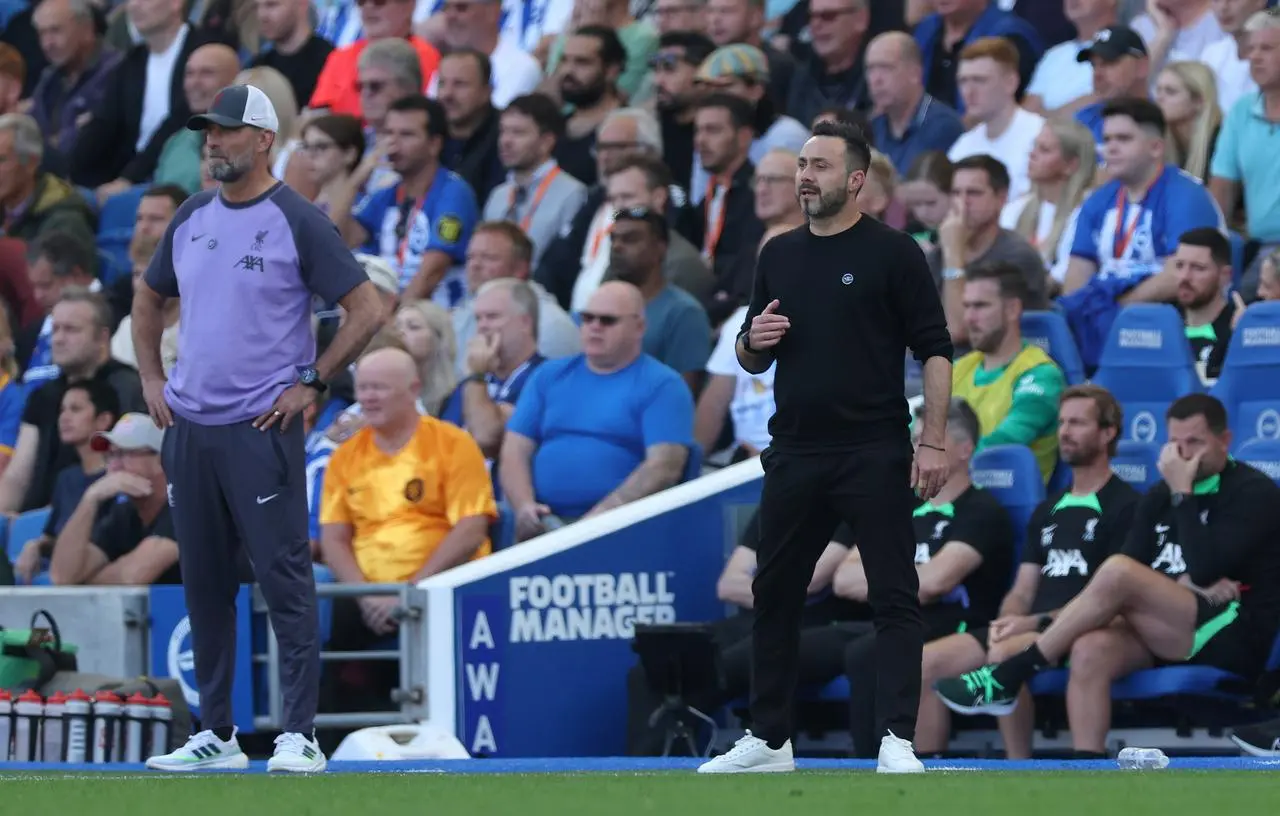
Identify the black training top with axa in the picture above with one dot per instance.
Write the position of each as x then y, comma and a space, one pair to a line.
856, 301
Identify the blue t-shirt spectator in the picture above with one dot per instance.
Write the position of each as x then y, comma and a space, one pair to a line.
934, 126
68, 489
13, 398
1133, 245
401, 231
677, 331
592, 430
1091, 117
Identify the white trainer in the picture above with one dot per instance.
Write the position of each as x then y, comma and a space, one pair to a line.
897, 757
751, 755
296, 753
203, 751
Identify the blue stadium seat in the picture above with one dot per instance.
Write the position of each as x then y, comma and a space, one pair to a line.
1060, 479
1135, 463
22, 529
1250, 381
1264, 454
115, 225
1049, 331
1146, 364
1010, 473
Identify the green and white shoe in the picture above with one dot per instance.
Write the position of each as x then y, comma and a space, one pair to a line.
977, 692
203, 752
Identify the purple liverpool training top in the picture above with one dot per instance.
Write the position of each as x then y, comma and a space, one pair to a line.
246, 274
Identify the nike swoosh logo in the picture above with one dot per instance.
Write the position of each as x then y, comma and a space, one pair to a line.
264, 500
198, 237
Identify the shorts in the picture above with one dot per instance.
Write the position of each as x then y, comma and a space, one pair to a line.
1224, 639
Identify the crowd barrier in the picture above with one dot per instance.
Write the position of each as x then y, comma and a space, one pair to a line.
530, 647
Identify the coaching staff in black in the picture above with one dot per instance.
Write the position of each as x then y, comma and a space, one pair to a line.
836, 303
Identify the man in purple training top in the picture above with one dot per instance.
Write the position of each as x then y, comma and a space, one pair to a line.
246, 260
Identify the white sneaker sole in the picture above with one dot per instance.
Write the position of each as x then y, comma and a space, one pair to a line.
1253, 750
317, 766
239, 762
885, 769
995, 710
768, 767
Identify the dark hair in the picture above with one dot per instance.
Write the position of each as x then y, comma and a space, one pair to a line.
849, 116
66, 253
539, 107
1211, 239
857, 153
997, 173
345, 131
612, 52
1194, 405
521, 246
1106, 408
741, 112
656, 173
697, 47
101, 395
656, 220
170, 191
1012, 283
483, 64
1144, 112
418, 103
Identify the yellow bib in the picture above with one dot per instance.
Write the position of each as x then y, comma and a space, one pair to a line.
991, 402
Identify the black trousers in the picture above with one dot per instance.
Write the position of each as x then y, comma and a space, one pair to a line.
803, 498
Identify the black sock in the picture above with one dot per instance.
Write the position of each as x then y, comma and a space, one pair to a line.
1090, 754
775, 744
1018, 669
224, 733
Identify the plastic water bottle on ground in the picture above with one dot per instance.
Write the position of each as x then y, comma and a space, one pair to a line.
54, 714
107, 709
137, 716
161, 721
76, 713
6, 724
1142, 759
26, 726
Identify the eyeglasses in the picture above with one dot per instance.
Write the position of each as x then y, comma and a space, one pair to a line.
636, 213
605, 320
665, 62
372, 86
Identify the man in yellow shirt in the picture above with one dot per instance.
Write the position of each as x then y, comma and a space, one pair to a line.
406, 497
1012, 385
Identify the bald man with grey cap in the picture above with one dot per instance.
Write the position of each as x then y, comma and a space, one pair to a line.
246, 258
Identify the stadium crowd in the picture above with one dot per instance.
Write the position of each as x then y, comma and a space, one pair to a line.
562, 202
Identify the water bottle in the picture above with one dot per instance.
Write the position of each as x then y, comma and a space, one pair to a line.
26, 726
107, 709
55, 709
76, 714
161, 721
6, 725
1142, 759
137, 713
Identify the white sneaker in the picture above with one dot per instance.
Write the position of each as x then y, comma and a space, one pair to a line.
751, 755
204, 751
296, 753
897, 757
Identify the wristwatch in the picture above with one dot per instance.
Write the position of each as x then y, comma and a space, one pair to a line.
745, 336
1044, 623
309, 377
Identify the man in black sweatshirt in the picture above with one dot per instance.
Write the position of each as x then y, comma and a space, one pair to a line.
836, 303
1198, 580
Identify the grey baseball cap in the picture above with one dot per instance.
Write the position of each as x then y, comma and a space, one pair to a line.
132, 432
238, 106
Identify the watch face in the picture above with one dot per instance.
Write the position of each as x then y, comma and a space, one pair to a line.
307, 375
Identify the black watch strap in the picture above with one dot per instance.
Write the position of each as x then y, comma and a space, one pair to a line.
745, 336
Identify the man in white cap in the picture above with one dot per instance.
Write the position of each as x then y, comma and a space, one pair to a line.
131, 541
255, 249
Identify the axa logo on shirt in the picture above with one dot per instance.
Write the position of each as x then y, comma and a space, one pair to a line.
922, 553
588, 607
1169, 561
1061, 563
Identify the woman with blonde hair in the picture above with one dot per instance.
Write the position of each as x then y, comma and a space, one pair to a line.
1187, 93
272, 83
427, 331
1061, 169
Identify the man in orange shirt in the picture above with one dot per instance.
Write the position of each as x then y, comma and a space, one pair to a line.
338, 88
406, 497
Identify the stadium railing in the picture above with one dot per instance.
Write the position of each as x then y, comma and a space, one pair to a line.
529, 647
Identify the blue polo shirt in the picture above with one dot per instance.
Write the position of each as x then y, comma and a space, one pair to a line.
592, 430
935, 126
1246, 152
1091, 117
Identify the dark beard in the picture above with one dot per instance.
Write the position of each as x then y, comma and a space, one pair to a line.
583, 97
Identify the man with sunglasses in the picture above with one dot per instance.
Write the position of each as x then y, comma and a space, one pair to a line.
834, 304
613, 406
